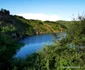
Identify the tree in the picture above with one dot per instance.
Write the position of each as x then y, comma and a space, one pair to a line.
76, 31
4, 12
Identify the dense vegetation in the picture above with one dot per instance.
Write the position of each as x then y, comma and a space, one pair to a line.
17, 27
66, 54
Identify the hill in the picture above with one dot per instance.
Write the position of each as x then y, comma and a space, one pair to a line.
16, 27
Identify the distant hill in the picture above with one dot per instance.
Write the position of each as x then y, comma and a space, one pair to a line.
17, 27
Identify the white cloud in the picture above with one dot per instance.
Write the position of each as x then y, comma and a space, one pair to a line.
40, 16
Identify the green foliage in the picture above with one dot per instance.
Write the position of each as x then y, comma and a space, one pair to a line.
54, 57
7, 29
76, 32
4, 12
66, 54
14, 28
7, 50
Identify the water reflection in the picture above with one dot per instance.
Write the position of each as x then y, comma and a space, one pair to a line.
35, 43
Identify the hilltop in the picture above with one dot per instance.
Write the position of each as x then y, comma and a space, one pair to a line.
16, 27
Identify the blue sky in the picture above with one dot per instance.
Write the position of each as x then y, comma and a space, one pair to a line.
51, 9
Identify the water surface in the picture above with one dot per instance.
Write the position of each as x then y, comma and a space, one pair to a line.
35, 43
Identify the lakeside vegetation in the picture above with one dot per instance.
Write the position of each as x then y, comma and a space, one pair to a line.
17, 27
66, 54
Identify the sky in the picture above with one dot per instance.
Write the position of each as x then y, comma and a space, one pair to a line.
51, 10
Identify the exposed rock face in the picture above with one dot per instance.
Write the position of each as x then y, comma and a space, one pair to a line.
37, 33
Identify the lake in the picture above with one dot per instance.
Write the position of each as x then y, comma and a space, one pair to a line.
37, 42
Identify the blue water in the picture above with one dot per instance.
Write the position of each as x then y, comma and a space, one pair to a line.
35, 43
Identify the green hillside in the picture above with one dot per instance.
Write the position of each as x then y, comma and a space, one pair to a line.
14, 28
66, 54
17, 27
